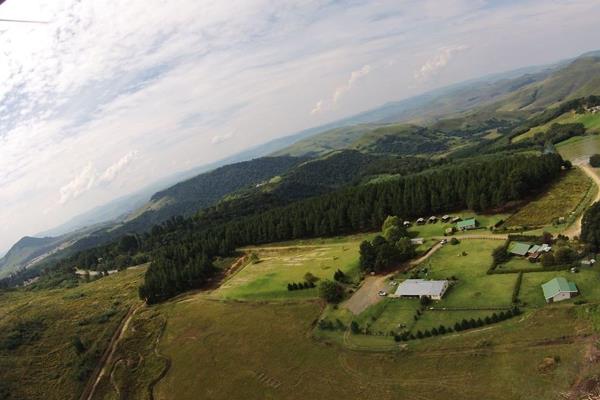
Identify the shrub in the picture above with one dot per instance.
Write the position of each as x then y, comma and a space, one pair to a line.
310, 278
331, 291
595, 160
340, 276
454, 241
354, 327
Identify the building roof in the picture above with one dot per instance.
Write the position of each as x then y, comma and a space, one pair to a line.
467, 223
534, 249
421, 287
558, 285
417, 241
519, 248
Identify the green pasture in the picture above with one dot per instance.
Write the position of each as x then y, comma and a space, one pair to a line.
587, 281
284, 263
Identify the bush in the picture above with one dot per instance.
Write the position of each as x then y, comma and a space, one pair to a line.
331, 292
548, 260
310, 278
454, 241
595, 160
340, 276
354, 327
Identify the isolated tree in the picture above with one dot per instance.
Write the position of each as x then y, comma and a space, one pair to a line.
331, 292
548, 260
564, 255
595, 160
590, 227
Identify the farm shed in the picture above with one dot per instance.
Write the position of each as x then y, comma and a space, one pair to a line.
467, 224
456, 219
559, 289
417, 288
445, 218
433, 219
519, 249
420, 221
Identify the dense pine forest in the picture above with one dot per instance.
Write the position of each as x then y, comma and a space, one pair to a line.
186, 247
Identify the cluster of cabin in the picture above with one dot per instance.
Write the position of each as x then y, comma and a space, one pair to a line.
460, 224
529, 251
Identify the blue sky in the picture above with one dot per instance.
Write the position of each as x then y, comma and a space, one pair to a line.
111, 96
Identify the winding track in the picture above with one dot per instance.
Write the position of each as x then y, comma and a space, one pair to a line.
106, 361
575, 228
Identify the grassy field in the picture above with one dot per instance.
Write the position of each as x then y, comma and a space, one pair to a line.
559, 200
587, 281
589, 120
219, 350
46, 365
579, 147
518, 264
285, 263
474, 287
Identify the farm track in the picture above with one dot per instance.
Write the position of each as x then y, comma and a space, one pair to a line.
575, 228
106, 361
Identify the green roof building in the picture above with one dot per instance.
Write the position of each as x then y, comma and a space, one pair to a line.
467, 224
519, 249
559, 289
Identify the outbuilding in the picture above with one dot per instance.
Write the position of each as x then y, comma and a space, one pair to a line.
467, 224
419, 288
559, 289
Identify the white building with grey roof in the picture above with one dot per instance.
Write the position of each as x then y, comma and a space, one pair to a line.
417, 288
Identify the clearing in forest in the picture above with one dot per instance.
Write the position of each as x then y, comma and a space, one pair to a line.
560, 200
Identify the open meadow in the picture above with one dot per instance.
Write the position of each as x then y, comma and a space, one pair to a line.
560, 200
591, 122
579, 148
221, 350
284, 263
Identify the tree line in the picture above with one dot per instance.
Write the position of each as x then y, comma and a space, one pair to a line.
186, 246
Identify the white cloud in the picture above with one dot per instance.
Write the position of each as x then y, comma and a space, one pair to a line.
317, 108
221, 138
114, 170
438, 61
89, 178
80, 184
341, 90
104, 78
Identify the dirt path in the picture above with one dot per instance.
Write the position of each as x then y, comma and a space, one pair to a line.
106, 361
575, 228
367, 293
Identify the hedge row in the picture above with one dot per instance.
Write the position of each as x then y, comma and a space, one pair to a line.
459, 326
300, 286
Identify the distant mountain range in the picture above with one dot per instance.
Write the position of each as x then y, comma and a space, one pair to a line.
435, 124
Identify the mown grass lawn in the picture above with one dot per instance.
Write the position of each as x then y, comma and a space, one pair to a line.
474, 288
517, 263
587, 281
283, 263
559, 200
434, 319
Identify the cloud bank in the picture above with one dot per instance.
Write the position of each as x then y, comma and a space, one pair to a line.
82, 97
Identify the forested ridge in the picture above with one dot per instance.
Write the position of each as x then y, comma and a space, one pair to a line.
186, 248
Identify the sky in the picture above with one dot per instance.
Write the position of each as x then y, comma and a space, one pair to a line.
108, 97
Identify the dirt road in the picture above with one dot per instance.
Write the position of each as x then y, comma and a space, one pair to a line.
106, 361
367, 293
575, 228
